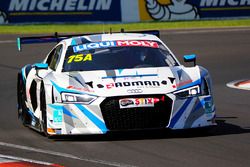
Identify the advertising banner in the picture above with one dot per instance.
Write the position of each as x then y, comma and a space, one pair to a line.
165, 10
39, 11
69, 11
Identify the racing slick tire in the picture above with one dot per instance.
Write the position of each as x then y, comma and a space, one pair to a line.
21, 109
43, 111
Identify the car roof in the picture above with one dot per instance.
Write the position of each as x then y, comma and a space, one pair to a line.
110, 37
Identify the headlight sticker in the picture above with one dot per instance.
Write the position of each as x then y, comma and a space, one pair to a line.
57, 116
188, 92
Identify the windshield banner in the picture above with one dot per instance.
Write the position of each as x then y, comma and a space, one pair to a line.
107, 44
41, 11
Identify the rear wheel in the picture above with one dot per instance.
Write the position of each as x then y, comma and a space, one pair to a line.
43, 110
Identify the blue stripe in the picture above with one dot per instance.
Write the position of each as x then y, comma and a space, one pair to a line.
120, 70
198, 106
31, 114
23, 74
203, 73
101, 125
179, 113
127, 76
73, 42
60, 89
65, 111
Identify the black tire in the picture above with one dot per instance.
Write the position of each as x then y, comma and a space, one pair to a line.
43, 110
22, 109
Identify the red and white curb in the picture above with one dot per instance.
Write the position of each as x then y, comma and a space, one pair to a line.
12, 161
240, 84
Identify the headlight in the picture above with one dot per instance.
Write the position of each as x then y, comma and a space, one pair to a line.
188, 92
77, 98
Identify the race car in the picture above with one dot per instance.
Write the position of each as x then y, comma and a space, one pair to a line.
100, 83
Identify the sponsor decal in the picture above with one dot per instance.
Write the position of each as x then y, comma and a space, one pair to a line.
57, 116
79, 58
3, 18
100, 86
151, 44
164, 82
126, 102
96, 45
20, 11
133, 83
139, 102
165, 10
208, 107
136, 102
171, 79
223, 3
59, 5
121, 43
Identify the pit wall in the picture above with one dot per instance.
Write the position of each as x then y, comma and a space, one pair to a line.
72, 11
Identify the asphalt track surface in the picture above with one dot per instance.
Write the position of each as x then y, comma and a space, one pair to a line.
224, 52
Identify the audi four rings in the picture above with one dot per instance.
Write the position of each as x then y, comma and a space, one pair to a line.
134, 90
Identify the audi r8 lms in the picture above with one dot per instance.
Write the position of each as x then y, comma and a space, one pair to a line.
99, 83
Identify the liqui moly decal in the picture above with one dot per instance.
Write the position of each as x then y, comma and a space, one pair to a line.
120, 43
151, 44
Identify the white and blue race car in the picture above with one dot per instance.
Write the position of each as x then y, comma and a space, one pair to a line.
99, 83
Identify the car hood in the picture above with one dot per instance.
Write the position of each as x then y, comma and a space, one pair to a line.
122, 82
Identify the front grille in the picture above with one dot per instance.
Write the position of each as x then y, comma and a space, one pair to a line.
136, 118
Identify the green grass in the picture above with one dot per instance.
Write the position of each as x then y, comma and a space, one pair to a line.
83, 28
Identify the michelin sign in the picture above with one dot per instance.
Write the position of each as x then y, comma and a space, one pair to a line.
24, 11
165, 10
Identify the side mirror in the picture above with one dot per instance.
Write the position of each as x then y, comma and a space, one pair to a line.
41, 66
190, 58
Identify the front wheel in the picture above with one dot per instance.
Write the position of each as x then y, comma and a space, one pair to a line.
43, 110
21, 109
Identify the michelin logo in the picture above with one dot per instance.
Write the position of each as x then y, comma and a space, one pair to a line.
177, 10
220, 3
3, 18
59, 5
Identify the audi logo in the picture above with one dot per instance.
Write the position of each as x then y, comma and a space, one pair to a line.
134, 91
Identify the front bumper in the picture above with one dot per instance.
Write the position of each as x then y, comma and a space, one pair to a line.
104, 115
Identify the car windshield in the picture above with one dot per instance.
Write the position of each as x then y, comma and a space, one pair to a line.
110, 55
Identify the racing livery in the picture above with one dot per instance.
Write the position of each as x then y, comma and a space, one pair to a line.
97, 83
